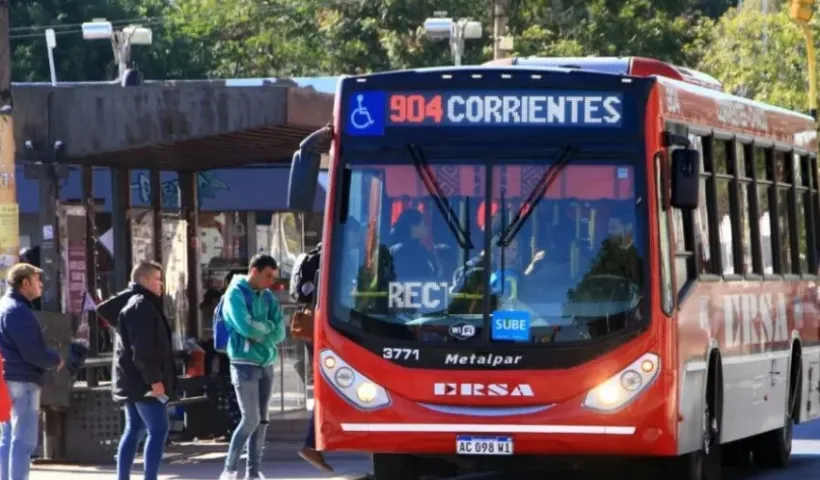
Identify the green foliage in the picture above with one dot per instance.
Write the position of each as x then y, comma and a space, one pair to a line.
606, 28
170, 56
757, 56
315, 37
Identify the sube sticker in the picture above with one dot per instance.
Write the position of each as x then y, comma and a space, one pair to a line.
511, 325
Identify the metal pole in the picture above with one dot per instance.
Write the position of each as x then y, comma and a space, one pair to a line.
10, 246
801, 13
499, 27
121, 45
51, 67
457, 41
50, 44
812, 70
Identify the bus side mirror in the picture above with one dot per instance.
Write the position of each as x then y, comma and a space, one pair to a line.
685, 178
304, 172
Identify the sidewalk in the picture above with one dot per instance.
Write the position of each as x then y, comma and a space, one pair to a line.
203, 461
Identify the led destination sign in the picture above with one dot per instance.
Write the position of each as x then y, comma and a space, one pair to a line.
369, 113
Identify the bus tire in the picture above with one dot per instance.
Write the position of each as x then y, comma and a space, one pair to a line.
706, 463
773, 449
392, 466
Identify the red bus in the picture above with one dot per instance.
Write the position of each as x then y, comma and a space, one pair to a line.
579, 257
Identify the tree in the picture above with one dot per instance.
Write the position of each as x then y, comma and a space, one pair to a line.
391, 33
170, 56
319, 37
659, 29
758, 56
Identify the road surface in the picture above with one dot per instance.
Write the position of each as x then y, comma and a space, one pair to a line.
203, 461
282, 464
805, 465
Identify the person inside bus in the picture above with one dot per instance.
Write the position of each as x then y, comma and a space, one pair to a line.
412, 261
468, 279
354, 261
556, 256
618, 254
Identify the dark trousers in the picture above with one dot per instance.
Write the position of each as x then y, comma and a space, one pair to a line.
310, 438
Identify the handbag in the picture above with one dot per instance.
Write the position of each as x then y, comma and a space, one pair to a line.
301, 325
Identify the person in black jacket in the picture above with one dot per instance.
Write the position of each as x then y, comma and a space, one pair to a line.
144, 375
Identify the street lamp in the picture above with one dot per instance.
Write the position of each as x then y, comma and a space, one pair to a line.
438, 28
51, 43
121, 41
801, 12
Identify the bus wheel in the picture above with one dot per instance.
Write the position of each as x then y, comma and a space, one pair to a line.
773, 449
391, 466
706, 463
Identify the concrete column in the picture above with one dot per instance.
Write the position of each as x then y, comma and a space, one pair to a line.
189, 210
121, 225
91, 265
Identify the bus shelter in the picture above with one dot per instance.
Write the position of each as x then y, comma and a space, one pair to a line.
185, 127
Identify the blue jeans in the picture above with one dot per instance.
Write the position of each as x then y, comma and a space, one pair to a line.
151, 417
254, 386
20, 434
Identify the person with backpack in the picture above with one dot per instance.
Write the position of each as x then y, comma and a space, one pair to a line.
303, 291
248, 325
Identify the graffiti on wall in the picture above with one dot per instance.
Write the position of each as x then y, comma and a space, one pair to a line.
207, 184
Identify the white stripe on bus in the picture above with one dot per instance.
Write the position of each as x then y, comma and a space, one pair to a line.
485, 428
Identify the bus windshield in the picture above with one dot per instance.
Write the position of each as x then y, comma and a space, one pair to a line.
490, 249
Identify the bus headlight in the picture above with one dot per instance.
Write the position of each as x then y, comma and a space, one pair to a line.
350, 384
624, 386
367, 392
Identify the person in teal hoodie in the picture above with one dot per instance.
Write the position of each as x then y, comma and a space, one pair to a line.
255, 331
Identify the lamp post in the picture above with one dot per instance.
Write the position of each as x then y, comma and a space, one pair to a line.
121, 40
51, 43
457, 31
801, 12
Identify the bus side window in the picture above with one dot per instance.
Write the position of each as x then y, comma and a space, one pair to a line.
691, 230
664, 237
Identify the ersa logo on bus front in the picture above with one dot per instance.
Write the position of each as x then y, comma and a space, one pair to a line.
369, 113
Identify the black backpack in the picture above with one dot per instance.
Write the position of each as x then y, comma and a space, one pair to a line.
304, 277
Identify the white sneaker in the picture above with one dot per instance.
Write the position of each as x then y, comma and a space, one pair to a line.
258, 477
228, 476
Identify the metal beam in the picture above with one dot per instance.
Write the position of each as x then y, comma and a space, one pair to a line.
121, 225
155, 187
91, 266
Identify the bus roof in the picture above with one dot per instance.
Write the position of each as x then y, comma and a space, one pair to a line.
720, 111
691, 98
634, 66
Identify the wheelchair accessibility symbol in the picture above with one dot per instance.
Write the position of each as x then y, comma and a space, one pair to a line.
366, 114
360, 118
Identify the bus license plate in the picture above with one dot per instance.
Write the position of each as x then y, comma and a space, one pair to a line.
470, 445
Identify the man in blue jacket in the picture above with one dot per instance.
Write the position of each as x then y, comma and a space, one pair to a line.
27, 360
256, 328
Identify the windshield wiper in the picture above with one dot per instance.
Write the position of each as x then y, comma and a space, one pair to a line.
428, 179
528, 206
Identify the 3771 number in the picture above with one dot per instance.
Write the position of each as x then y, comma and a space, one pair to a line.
400, 353
415, 109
